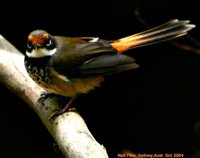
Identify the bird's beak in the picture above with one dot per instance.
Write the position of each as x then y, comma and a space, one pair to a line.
37, 46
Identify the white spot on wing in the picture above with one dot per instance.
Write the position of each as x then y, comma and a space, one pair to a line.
94, 39
62, 77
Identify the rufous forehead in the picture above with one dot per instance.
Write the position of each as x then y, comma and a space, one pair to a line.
38, 39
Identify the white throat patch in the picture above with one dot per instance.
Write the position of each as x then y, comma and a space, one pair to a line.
41, 52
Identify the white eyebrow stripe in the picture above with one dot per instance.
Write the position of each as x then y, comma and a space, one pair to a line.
42, 52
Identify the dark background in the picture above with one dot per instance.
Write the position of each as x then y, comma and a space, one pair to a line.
154, 109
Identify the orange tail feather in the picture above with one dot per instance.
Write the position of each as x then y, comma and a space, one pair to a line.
172, 29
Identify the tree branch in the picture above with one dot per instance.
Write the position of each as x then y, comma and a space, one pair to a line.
69, 129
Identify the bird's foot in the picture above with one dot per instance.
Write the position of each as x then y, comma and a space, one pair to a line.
65, 109
44, 96
56, 114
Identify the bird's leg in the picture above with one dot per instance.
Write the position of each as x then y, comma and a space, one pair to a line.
64, 101
65, 109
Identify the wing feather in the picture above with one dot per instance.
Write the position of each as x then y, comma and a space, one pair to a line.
84, 59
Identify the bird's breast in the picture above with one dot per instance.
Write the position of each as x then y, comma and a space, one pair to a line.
39, 74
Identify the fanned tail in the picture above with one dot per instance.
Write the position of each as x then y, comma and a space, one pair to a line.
169, 30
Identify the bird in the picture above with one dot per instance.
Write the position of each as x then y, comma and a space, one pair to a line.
69, 66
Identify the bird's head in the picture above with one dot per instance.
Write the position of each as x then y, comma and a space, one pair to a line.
40, 44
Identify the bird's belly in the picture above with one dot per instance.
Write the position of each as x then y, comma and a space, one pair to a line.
73, 86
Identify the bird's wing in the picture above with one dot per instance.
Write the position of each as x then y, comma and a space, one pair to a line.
89, 56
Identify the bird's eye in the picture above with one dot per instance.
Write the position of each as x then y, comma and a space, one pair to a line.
29, 45
48, 42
